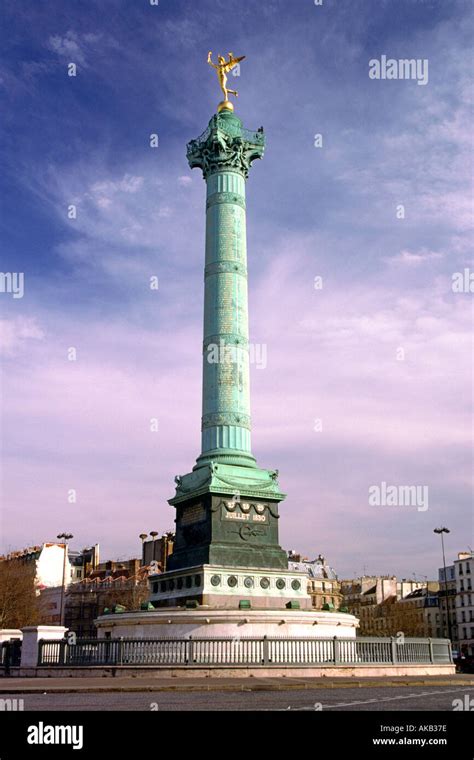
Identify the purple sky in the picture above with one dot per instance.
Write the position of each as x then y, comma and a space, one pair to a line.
332, 354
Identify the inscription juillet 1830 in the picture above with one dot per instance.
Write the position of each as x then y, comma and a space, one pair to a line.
244, 511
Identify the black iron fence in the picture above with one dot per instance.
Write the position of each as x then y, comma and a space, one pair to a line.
254, 652
10, 655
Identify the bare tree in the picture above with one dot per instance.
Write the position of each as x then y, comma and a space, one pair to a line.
130, 594
19, 604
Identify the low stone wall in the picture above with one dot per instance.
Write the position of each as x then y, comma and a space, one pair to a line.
278, 671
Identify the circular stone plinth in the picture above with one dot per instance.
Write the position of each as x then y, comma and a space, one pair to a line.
214, 623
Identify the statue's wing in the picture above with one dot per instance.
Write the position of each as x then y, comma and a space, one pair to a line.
233, 62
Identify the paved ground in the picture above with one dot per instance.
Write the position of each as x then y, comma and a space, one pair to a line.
247, 694
147, 683
252, 683
372, 699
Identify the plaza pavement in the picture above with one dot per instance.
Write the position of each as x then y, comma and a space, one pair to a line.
143, 684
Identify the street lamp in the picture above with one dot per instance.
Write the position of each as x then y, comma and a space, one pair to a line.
167, 537
66, 537
153, 535
440, 532
142, 538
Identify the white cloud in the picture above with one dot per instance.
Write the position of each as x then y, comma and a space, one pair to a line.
78, 48
15, 332
418, 257
68, 47
104, 191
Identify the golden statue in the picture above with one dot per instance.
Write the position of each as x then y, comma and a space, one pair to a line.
223, 67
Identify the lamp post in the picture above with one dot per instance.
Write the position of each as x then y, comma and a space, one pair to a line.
142, 537
154, 534
167, 537
66, 537
440, 532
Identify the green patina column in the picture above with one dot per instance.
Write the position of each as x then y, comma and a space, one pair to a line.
227, 507
225, 153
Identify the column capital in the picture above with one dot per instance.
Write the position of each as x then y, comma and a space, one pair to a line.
226, 146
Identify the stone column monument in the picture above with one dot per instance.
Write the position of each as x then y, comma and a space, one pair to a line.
226, 557
227, 507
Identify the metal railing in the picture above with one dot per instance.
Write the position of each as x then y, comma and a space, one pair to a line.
10, 655
244, 652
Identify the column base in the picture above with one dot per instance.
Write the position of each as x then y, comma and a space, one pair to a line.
232, 474
239, 458
226, 587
